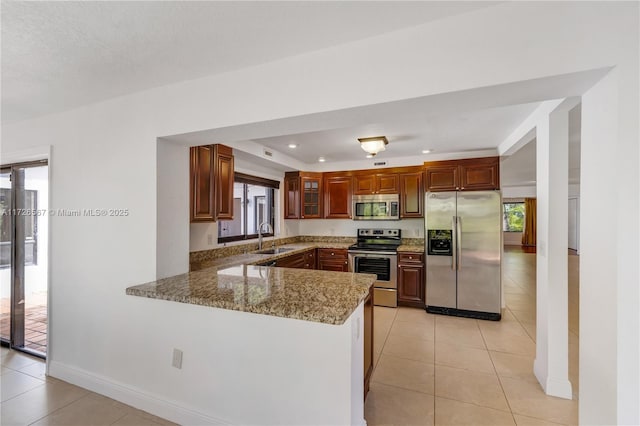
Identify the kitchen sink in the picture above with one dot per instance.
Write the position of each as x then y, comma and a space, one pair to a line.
276, 250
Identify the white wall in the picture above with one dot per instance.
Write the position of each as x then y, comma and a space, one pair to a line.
105, 155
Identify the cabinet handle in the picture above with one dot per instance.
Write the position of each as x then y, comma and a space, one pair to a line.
410, 257
462, 187
332, 253
345, 262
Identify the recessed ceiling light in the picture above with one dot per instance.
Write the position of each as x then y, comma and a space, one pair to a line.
426, 151
321, 159
370, 156
293, 145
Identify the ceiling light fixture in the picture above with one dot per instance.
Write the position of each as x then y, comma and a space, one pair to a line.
369, 155
293, 145
321, 159
373, 145
426, 151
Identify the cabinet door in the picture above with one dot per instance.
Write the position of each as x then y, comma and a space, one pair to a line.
310, 198
363, 185
442, 178
333, 260
292, 197
201, 191
337, 198
411, 195
479, 176
310, 259
387, 184
411, 285
293, 261
224, 182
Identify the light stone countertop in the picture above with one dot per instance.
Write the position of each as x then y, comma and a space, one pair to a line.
233, 283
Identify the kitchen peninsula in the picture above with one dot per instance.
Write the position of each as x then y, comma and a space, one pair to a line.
274, 345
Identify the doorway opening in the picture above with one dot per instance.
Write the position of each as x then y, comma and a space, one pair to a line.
24, 256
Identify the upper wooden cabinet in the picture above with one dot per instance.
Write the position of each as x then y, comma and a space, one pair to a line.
211, 183
380, 183
223, 172
291, 196
411, 195
303, 199
472, 174
337, 196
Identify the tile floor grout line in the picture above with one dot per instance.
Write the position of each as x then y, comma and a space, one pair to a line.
64, 406
22, 393
405, 389
475, 405
498, 376
386, 337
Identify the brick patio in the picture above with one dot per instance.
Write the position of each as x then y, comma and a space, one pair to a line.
35, 325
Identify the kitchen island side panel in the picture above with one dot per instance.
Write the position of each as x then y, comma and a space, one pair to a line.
238, 367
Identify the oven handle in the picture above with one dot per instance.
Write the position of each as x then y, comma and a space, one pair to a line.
372, 253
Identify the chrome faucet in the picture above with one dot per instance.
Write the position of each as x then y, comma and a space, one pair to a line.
269, 230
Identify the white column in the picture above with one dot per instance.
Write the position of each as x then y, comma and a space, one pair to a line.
551, 366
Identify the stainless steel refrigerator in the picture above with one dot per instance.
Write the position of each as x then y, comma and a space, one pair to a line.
463, 244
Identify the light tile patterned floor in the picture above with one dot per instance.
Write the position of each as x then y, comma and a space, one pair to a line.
433, 369
429, 370
29, 397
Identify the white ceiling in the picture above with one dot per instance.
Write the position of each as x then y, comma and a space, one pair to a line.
409, 131
60, 55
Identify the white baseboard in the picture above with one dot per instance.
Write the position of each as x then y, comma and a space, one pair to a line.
134, 397
552, 387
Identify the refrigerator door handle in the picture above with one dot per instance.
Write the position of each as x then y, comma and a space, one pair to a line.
454, 252
459, 242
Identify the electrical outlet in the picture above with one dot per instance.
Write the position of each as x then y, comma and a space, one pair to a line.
177, 359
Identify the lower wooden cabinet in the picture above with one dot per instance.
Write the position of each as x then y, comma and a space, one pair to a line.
368, 340
411, 284
304, 260
333, 260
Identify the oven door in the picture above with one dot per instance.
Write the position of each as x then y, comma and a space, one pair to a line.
382, 265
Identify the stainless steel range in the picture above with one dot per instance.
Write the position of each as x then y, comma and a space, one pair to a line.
376, 252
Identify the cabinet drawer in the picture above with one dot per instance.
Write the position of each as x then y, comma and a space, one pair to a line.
406, 257
324, 253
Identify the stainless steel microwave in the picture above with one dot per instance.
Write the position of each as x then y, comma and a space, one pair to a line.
376, 207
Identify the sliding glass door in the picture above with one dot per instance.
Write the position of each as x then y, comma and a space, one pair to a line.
6, 232
23, 272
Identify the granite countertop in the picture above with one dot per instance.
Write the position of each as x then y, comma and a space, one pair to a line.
319, 296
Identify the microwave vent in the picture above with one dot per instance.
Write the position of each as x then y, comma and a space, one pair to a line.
380, 163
